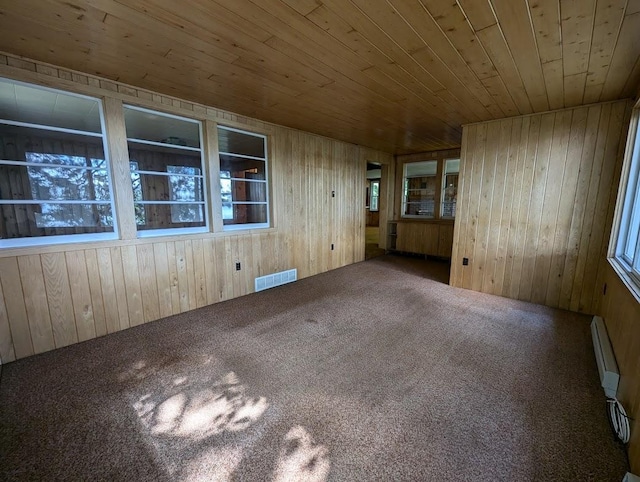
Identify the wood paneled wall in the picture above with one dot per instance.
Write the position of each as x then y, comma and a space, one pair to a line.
59, 295
433, 238
621, 312
535, 204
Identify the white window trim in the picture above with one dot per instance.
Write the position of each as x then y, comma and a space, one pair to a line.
66, 238
57, 239
149, 233
405, 203
628, 205
153, 233
240, 227
371, 196
443, 187
245, 226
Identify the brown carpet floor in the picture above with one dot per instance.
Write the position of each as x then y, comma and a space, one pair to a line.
376, 371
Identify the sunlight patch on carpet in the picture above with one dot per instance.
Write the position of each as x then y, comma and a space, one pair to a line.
202, 412
301, 459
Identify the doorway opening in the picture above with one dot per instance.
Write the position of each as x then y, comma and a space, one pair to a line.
372, 206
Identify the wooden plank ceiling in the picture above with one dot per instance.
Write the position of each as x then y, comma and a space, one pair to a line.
398, 75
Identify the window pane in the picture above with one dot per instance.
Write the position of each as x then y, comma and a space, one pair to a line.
59, 184
159, 158
167, 180
375, 192
52, 219
243, 143
450, 188
419, 169
186, 185
183, 188
243, 186
28, 144
248, 191
157, 127
136, 184
164, 216
159, 187
35, 105
420, 193
52, 182
245, 213
242, 168
187, 213
452, 166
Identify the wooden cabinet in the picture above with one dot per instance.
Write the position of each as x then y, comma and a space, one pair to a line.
422, 237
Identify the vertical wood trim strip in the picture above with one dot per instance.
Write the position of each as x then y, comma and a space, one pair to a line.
118, 153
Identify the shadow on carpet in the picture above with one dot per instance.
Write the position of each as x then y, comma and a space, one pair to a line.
376, 371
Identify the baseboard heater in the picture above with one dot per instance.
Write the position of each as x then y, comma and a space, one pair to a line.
606, 360
276, 279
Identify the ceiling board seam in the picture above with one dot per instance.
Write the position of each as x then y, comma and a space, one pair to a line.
301, 33
411, 58
533, 30
409, 74
552, 60
593, 26
538, 58
504, 38
457, 53
487, 53
615, 45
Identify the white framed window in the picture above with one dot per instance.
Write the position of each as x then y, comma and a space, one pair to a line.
55, 180
420, 187
166, 162
374, 196
244, 182
627, 248
450, 188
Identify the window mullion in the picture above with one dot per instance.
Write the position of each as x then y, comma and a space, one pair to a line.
118, 155
213, 164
